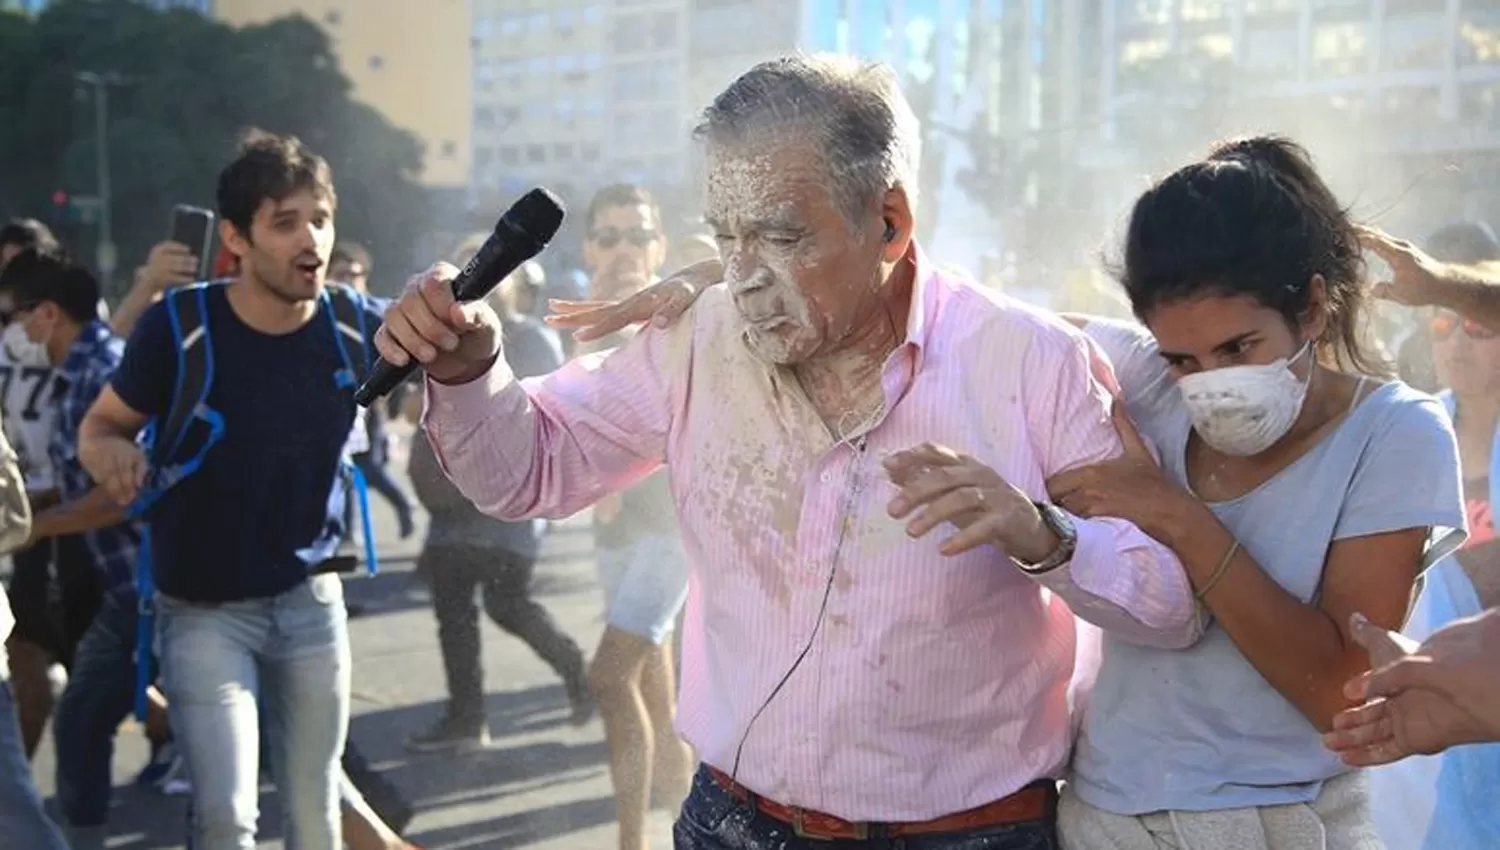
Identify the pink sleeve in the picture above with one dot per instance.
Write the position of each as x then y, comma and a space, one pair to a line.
553, 445
1119, 579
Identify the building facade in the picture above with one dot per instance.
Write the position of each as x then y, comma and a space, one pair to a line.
1398, 100
574, 94
409, 60
1418, 78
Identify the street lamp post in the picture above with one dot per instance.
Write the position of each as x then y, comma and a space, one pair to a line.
101, 84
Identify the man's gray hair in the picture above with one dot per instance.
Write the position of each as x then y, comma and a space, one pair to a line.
870, 138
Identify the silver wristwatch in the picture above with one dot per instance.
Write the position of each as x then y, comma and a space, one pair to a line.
1067, 536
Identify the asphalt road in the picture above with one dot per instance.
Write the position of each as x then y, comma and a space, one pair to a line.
542, 784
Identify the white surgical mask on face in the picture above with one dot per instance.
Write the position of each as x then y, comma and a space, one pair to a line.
1244, 410
19, 347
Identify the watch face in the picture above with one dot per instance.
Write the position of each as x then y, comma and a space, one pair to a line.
1061, 523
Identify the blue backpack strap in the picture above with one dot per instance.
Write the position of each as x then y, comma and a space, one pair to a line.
351, 332
166, 437
145, 631
362, 497
347, 318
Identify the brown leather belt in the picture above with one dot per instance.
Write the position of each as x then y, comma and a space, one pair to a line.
1035, 802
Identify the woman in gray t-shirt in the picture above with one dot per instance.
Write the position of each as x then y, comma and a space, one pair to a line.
1296, 491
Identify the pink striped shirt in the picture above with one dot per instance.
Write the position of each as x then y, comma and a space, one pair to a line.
934, 684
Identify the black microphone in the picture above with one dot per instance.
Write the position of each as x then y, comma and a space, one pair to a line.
521, 234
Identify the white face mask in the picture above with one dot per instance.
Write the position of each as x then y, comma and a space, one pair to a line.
19, 347
1244, 410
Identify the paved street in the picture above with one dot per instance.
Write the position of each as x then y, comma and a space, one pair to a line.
543, 784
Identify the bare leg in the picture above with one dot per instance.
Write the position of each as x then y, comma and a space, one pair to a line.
29, 665
672, 768
364, 830
615, 676
158, 724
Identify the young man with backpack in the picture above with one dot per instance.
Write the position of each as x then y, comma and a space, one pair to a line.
248, 389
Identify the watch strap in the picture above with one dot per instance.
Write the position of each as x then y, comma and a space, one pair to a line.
1067, 540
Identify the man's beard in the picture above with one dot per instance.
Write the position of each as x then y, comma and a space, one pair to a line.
283, 286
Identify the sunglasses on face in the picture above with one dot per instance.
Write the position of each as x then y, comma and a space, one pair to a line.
1443, 325
608, 237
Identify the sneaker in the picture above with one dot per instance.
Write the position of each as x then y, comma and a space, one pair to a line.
451, 733
178, 782
157, 766
580, 697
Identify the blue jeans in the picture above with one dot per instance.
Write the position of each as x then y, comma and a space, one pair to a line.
23, 821
99, 696
712, 819
288, 654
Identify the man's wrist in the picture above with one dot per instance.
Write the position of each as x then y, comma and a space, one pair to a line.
1036, 542
43, 526
1453, 287
470, 375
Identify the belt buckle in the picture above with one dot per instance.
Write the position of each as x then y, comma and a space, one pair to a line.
861, 830
799, 827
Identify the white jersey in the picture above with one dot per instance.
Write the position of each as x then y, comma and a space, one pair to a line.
29, 398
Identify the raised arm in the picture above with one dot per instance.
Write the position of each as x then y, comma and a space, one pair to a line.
546, 446
660, 304
1419, 280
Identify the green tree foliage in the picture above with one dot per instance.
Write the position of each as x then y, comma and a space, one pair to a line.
191, 86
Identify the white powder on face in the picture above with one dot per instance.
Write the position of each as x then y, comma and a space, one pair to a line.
755, 197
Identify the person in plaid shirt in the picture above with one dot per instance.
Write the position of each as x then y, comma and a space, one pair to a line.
57, 303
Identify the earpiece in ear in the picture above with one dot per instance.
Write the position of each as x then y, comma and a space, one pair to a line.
890, 231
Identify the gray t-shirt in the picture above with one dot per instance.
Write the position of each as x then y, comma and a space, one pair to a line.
1200, 729
646, 510
531, 349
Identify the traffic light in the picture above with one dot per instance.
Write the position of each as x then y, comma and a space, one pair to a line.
74, 209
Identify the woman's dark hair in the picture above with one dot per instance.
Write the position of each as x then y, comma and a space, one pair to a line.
1253, 218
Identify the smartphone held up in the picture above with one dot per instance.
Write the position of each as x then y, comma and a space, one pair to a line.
193, 228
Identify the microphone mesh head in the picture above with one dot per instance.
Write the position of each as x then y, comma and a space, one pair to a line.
538, 214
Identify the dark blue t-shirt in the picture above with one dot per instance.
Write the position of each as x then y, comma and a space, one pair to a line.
267, 501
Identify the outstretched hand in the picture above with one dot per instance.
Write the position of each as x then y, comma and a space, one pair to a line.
660, 304
1420, 699
1414, 274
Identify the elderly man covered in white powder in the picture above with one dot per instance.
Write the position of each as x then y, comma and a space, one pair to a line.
878, 644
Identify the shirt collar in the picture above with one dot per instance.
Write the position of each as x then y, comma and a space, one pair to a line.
919, 313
